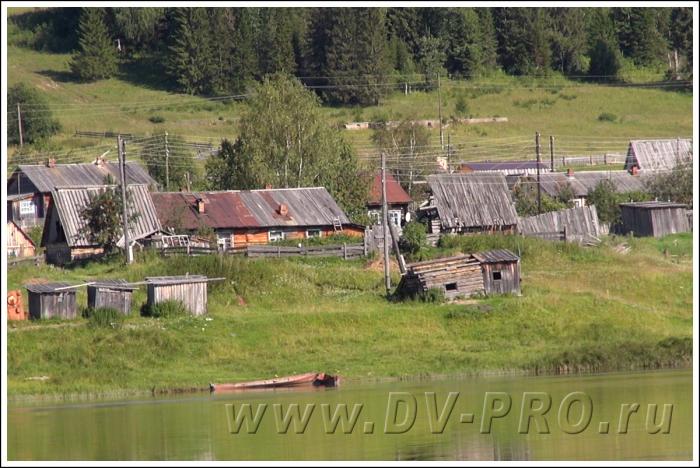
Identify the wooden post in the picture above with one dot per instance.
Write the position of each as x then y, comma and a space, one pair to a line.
125, 218
187, 178
19, 125
442, 138
539, 187
551, 153
364, 243
385, 227
345, 251
167, 162
565, 234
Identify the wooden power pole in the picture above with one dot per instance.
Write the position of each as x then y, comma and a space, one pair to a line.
442, 138
385, 227
19, 125
539, 186
125, 218
551, 153
167, 164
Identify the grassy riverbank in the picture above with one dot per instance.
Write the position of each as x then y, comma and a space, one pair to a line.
581, 309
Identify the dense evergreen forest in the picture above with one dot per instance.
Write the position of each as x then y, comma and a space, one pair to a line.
356, 55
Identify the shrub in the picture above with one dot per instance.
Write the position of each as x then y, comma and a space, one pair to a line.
38, 122
432, 295
165, 309
156, 119
461, 106
413, 239
607, 117
104, 317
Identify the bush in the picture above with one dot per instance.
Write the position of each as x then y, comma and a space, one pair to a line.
165, 309
104, 317
156, 119
37, 118
432, 295
461, 106
413, 239
607, 117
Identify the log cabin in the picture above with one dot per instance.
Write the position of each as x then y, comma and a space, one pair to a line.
398, 202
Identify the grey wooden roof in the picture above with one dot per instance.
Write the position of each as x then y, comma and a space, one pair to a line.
623, 181
70, 202
652, 205
116, 284
553, 183
656, 155
45, 178
472, 200
170, 280
48, 287
496, 256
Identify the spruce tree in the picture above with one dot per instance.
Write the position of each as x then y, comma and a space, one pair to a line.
96, 57
190, 62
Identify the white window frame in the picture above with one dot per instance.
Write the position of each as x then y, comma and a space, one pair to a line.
275, 235
395, 214
23, 210
224, 243
314, 236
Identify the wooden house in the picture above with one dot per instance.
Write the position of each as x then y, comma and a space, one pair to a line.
65, 235
492, 272
190, 290
113, 294
398, 202
19, 244
501, 271
465, 203
658, 155
52, 300
654, 218
252, 217
30, 187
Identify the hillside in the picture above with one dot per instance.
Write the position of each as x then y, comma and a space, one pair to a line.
581, 309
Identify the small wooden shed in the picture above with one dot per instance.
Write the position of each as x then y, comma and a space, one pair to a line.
654, 218
191, 290
114, 294
501, 271
52, 300
456, 276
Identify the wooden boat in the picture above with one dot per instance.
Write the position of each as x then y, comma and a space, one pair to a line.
311, 379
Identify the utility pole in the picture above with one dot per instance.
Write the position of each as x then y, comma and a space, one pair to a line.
125, 218
385, 227
539, 187
449, 148
167, 164
19, 125
442, 138
187, 178
551, 153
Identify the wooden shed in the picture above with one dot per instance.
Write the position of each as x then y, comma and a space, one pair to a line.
456, 276
191, 290
114, 294
52, 300
654, 218
501, 271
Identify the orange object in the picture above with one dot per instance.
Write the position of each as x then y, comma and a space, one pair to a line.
15, 311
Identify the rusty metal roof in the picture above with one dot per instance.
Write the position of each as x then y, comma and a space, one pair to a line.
659, 155
70, 202
472, 200
45, 178
49, 287
496, 256
312, 206
395, 194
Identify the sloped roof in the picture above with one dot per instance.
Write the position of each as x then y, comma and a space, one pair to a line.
472, 200
70, 202
653, 205
395, 194
45, 178
623, 181
311, 206
503, 165
553, 183
50, 287
655, 155
496, 256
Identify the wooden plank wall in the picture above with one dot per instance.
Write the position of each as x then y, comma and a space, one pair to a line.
110, 298
192, 295
579, 223
52, 305
510, 278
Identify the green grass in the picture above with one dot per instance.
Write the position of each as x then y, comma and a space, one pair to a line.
581, 309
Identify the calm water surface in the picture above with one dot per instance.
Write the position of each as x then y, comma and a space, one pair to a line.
196, 427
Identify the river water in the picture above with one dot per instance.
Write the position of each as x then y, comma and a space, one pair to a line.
479, 418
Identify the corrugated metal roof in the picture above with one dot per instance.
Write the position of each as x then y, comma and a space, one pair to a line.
45, 179
496, 256
48, 287
658, 155
651, 205
312, 206
472, 200
168, 280
395, 194
70, 202
116, 284
503, 165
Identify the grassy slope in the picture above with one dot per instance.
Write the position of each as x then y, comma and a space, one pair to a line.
585, 308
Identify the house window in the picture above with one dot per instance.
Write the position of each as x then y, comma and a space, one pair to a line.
275, 236
496, 275
375, 216
26, 207
224, 243
451, 287
312, 233
395, 217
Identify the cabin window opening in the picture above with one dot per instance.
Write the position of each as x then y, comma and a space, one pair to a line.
451, 287
224, 243
497, 275
275, 236
26, 207
313, 233
395, 217
375, 216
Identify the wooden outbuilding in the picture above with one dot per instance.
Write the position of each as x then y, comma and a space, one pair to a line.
501, 271
52, 300
654, 218
19, 244
190, 290
113, 294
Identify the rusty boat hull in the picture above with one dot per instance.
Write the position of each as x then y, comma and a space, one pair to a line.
316, 379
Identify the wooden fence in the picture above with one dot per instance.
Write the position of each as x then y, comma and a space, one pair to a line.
571, 225
590, 160
16, 261
126, 136
345, 251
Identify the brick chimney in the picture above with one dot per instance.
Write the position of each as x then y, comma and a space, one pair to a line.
200, 205
51, 162
635, 170
283, 209
569, 172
